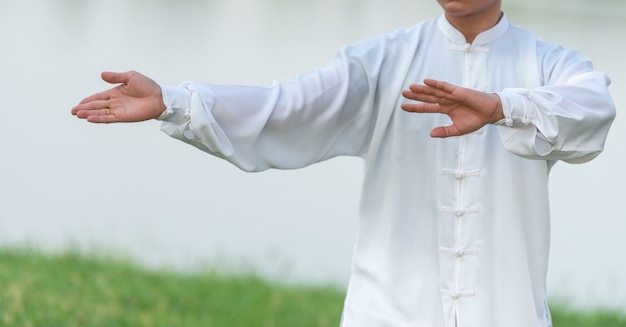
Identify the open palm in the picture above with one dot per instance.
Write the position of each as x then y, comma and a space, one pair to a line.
136, 98
468, 109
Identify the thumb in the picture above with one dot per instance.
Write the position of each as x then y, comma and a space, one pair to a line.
115, 78
445, 131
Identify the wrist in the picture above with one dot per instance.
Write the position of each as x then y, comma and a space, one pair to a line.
159, 104
498, 112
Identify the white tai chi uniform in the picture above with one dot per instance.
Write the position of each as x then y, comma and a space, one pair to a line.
451, 231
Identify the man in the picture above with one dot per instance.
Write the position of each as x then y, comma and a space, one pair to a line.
454, 226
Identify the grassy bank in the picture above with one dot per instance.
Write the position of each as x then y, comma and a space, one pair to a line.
74, 290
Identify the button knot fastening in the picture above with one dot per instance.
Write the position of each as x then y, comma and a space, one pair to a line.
455, 296
459, 253
459, 213
459, 174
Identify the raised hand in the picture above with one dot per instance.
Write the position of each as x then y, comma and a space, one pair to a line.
468, 109
136, 98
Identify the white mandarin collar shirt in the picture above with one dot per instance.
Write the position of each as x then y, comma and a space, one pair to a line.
451, 232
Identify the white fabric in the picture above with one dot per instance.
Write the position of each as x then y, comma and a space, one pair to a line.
450, 229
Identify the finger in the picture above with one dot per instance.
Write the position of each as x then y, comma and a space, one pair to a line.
109, 77
100, 96
422, 93
85, 114
445, 90
90, 105
445, 131
440, 85
436, 94
116, 78
97, 119
425, 89
426, 97
102, 117
423, 107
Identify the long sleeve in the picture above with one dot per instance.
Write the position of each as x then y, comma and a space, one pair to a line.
567, 118
286, 125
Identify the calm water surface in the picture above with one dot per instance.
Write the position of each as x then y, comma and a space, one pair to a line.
130, 189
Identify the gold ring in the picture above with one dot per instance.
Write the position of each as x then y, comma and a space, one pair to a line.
108, 111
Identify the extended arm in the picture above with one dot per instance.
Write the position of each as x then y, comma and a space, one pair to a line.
288, 124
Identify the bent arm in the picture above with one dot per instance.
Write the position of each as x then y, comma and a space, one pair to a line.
566, 119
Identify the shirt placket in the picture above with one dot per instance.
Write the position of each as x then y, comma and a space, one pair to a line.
458, 210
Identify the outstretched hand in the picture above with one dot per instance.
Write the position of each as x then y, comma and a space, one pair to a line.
468, 109
136, 98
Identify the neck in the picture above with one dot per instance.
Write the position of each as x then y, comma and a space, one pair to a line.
471, 26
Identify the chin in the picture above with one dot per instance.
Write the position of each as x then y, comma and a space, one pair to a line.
455, 7
461, 8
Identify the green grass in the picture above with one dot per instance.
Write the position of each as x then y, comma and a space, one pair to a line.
71, 289
75, 290
597, 318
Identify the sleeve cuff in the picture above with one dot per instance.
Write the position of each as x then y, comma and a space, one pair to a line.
515, 107
176, 102
518, 112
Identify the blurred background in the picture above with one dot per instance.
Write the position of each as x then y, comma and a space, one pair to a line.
131, 190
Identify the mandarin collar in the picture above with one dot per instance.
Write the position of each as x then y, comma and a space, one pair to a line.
481, 39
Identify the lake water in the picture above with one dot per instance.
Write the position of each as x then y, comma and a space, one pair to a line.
129, 189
